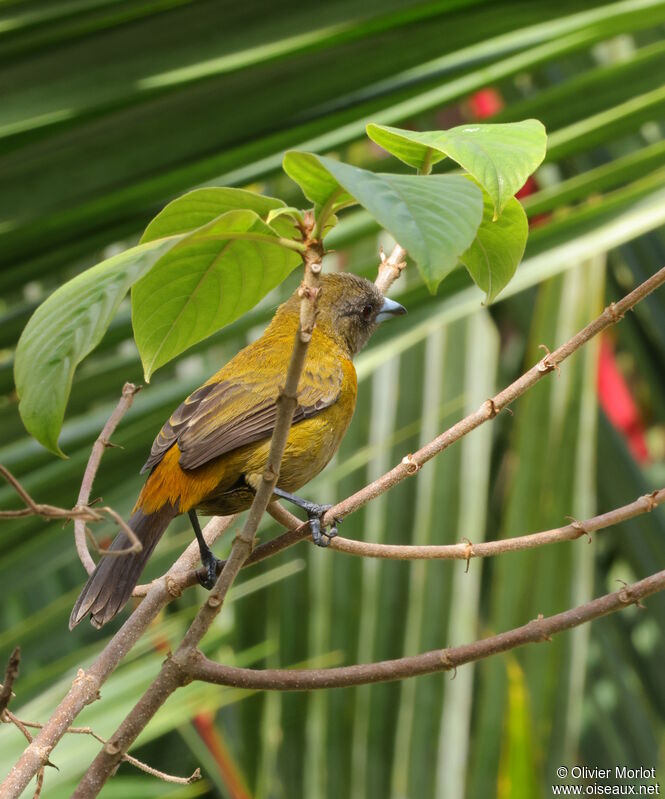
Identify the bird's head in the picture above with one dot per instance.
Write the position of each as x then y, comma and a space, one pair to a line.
350, 308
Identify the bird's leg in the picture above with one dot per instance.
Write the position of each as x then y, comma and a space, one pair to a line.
314, 513
207, 558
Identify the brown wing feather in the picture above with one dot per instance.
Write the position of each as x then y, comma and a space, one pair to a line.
250, 416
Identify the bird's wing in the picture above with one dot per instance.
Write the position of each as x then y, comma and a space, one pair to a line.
227, 414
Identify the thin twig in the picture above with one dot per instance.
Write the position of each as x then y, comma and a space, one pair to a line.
537, 630
139, 764
99, 447
136, 545
38, 509
491, 407
11, 673
79, 513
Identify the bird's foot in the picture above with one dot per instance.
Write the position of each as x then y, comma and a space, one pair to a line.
209, 561
211, 565
315, 513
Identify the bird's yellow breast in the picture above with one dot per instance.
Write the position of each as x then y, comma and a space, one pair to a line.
221, 486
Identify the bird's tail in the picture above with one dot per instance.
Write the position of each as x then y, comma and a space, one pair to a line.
112, 582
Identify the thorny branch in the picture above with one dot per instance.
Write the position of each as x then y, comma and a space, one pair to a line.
462, 551
539, 629
129, 390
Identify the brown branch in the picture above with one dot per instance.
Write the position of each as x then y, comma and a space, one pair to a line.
98, 449
87, 684
136, 545
11, 673
537, 630
174, 672
468, 550
390, 268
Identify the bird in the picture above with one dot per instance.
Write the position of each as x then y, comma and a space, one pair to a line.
210, 454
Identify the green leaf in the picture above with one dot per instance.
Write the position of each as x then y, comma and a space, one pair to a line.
316, 182
498, 247
209, 279
199, 207
434, 217
500, 157
287, 210
415, 149
65, 328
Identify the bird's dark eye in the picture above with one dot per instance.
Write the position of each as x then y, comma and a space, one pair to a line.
366, 312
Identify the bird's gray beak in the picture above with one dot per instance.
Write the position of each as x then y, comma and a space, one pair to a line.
388, 309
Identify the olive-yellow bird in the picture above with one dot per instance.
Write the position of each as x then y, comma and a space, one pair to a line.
210, 454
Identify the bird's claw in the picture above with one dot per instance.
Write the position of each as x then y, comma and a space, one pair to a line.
210, 564
315, 513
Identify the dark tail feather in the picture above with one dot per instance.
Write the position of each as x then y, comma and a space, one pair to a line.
112, 582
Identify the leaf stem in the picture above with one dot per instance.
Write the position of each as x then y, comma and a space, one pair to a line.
324, 214
426, 168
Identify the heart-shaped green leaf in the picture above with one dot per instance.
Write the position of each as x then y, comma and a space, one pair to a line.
498, 247
500, 157
201, 206
65, 328
210, 278
435, 217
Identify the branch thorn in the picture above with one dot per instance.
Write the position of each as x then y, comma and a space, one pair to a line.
612, 312
491, 408
547, 364
469, 553
651, 500
579, 526
412, 465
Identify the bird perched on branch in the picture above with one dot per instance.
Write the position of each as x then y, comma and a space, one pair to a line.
210, 454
